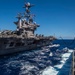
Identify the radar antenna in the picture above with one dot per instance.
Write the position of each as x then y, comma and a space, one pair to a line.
19, 16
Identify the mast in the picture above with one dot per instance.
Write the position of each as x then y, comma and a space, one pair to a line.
19, 22
28, 14
25, 23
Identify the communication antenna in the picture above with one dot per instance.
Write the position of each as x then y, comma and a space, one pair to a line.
19, 16
0, 30
54, 34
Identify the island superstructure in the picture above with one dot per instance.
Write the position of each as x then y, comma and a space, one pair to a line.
24, 37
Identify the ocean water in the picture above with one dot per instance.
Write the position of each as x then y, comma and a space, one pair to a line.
37, 62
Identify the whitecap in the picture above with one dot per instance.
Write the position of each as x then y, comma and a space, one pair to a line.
56, 69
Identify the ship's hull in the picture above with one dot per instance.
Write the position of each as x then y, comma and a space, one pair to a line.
17, 49
8, 46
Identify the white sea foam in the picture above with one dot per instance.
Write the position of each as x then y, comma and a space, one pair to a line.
51, 54
26, 68
54, 45
50, 71
55, 70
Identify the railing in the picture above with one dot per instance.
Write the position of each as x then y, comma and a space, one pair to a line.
71, 66
72, 69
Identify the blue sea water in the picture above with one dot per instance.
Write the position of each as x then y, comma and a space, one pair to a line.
34, 62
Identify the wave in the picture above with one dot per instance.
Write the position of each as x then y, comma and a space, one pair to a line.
57, 68
34, 62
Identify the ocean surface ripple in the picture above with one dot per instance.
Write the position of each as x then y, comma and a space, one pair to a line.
34, 62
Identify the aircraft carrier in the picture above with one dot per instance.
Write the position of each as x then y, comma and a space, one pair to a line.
23, 38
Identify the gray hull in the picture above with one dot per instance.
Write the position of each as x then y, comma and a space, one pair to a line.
17, 49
